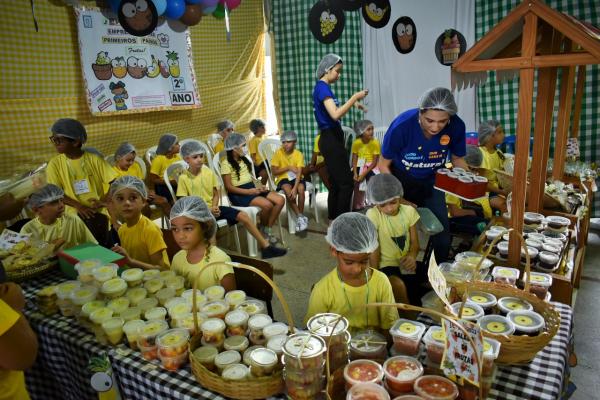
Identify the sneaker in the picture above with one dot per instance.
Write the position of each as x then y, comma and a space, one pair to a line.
272, 238
272, 251
300, 225
305, 218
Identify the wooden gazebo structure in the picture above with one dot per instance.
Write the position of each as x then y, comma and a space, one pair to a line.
531, 36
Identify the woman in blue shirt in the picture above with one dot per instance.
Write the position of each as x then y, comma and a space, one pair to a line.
328, 113
417, 143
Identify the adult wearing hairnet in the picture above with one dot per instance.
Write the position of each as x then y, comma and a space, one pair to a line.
418, 142
328, 113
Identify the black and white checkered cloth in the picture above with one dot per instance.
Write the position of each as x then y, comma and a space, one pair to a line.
542, 378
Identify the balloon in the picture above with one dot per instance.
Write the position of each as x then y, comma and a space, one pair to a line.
209, 3
209, 10
161, 6
114, 5
231, 4
175, 8
193, 1
219, 12
192, 15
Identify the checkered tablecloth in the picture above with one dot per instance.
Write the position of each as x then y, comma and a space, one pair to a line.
542, 379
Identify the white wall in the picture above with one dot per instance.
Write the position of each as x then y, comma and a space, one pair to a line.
395, 81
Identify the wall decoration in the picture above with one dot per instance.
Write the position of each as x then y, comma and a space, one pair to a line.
326, 21
377, 12
138, 17
449, 46
404, 35
125, 73
350, 5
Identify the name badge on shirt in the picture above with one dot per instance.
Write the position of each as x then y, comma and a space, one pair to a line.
291, 175
81, 187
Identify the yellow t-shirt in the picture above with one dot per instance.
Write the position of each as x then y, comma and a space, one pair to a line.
316, 150
366, 151
201, 185
134, 170
282, 159
160, 163
68, 227
492, 161
12, 383
253, 148
208, 276
245, 174
484, 203
220, 146
393, 231
143, 239
331, 295
89, 176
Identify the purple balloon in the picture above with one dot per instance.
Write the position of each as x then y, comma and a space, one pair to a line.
208, 10
175, 9
161, 6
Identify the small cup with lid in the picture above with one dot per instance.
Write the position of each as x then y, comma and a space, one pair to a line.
85, 270
252, 307
151, 274
526, 322
206, 356
362, 371
176, 283
187, 321
304, 350
491, 350
532, 218
539, 284
274, 329
470, 311
557, 222
237, 343
435, 342
548, 261
551, 248
155, 313
368, 345
506, 275
235, 297
508, 304
485, 300
262, 362
113, 328
104, 273
135, 295
173, 343
502, 249
178, 310
132, 331
257, 323
133, 276
63, 297
153, 286
82, 295
113, 288
236, 372
237, 322
118, 305
215, 309
147, 303
276, 344
98, 317
533, 253
496, 324
435, 387
164, 295
87, 309
227, 358
213, 331
147, 338
216, 292
401, 373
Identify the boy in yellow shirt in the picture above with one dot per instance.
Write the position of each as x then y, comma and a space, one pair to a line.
353, 284
142, 242
167, 153
287, 164
365, 154
224, 128
83, 176
51, 224
317, 164
257, 126
491, 135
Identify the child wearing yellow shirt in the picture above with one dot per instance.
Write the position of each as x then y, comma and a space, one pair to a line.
349, 287
125, 161
287, 164
224, 128
167, 153
257, 126
142, 242
491, 135
365, 154
51, 224
193, 225
199, 180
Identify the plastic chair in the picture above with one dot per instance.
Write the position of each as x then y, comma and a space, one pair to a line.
212, 141
379, 133
176, 169
111, 160
150, 154
427, 226
348, 133
267, 149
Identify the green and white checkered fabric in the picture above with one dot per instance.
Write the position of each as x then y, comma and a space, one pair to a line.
500, 100
297, 54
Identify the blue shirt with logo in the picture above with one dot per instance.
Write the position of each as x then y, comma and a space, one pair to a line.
320, 93
408, 148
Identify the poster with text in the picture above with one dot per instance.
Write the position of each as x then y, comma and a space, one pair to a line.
123, 73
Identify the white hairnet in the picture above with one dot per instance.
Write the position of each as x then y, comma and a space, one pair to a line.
352, 233
486, 130
225, 124
191, 148
70, 128
473, 157
289, 136
123, 150
194, 208
327, 62
128, 182
165, 142
93, 150
438, 98
256, 124
361, 126
234, 140
382, 188
46, 194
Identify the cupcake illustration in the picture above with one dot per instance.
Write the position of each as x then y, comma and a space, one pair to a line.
450, 47
102, 67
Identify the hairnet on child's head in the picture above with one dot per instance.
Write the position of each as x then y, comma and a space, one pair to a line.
327, 62
191, 148
289, 136
473, 157
165, 142
93, 150
438, 98
234, 140
225, 124
486, 130
382, 188
352, 233
70, 128
361, 126
46, 194
256, 124
123, 150
128, 182
194, 208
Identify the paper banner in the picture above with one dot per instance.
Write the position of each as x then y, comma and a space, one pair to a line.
459, 359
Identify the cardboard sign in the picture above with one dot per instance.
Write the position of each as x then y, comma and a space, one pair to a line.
459, 359
9, 238
438, 281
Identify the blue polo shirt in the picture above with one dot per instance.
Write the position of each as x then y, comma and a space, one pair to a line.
321, 92
408, 148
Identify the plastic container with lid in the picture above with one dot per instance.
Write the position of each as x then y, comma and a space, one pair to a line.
407, 336
368, 345
113, 328
557, 222
151, 274
147, 303
276, 344
166, 274
133, 276
468, 260
492, 234
235, 298
206, 356
304, 350
554, 235
539, 284
85, 270
367, 391
187, 321
401, 373
237, 343
82, 295
147, 338
408, 397
90, 307
248, 351
173, 363
176, 283
153, 286
155, 313
188, 294
164, 295
503, 248
213, 331
491, 349
548, 261
105, 272
132, 331
118, 305
526, 322
362, 371
435, 342
262, 362
508, 304
236, 372
237, 322
274, 329
432, 387
487, 301
135, 295
470, 312
114, 288
252, 307
227, 358
537, 244
176, 300
306, 391
257, 323
173, 343
533, 253
536, 236
532, 218
215, 309
506, 275
178, 310
63, 294
329, 324
496, 324
97, 317
216, 292
551, 248
455, 274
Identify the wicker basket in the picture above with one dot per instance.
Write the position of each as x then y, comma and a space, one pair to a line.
255, 388
23, 274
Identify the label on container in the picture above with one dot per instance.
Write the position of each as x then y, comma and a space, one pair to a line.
461, 360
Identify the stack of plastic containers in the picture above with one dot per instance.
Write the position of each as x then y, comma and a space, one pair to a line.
172, 348
407, 336
333, 329
304, 361
147, 338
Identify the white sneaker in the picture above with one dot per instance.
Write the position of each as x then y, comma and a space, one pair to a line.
305, 218
301, 225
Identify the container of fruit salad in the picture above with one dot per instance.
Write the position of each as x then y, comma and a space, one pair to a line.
401, 373
113, 288
304, 350
104, 273
87, 309
237, 322
216, 292
151, 274
432, 387
176, 300
188, 294
215, 309
491, 349
113, 328
468, 260
153, 286
97, 317
147, 303
132, 331
133, 276
164, 295
362, 371
187, 321
496, 324
487, 301
304, 376
367, 391
206, 356
176, 283
227, 358
508, 304
135, 295
506, 275
300, 391
276, 344
147, 338
177, 310
275, 329
407, 336
329, 324
85, 270
236, 372
155, 313
257, 323
164, 275
82, 295
237, 343
470, 311
235, 298
435, 342
173, 343
262, 362
213, 331
63, 297
368, 345
526, 322
119, 305
539, 284
252, 307
248, 351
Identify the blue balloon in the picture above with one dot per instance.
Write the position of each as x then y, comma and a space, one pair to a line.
161, 6
114, 5
193, 1
175, 9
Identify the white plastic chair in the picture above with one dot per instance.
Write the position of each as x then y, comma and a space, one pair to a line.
379, 133
111, 160
267, 149
176, 169
212, 141
348, 133
150, 154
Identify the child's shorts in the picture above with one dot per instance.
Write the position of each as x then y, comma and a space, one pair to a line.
260, 168
288, 182
228, 213
244, 200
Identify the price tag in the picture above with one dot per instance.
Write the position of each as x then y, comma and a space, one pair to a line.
460, 358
